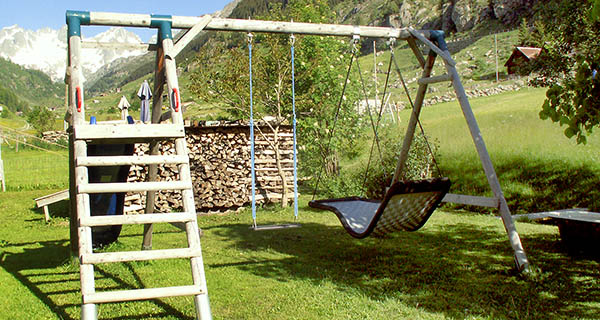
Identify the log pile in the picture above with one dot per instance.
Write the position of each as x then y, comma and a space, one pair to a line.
219, 156
55, 136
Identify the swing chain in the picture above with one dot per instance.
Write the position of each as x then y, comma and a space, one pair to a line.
355, 41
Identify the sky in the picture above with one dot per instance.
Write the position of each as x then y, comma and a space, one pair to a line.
38, 14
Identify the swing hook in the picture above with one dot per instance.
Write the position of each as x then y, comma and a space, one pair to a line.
292, 39
391, 43
355, 41
250, 37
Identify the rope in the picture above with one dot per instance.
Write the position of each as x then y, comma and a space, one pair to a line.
252, 171
354, 49
292, 42
418, 121
376, 126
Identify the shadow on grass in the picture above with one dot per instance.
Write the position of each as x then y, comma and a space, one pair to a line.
532, 186
456, 270
35, 268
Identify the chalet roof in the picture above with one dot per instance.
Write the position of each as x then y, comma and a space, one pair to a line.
530, 52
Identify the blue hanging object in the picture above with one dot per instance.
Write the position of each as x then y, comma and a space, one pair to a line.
252, 171
294, 131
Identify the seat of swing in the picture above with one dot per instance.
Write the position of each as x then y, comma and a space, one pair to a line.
407, 205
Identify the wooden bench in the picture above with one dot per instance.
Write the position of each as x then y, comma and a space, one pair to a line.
43, 202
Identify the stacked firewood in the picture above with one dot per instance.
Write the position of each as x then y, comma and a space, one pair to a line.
220, 167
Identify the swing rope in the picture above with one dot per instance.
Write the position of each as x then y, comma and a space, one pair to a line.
337, 112
292, 42
375, 127
413, 112
252, 171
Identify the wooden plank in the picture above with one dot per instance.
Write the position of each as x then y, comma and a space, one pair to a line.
110, 257
244, 25
472, 200
190, 35
436, 79
118, 45
89, 132
521, 260
275, 226
129, 160
52, 198
133, 187
109, 220
420, 35
141, 294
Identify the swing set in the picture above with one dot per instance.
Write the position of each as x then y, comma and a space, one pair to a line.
406, 205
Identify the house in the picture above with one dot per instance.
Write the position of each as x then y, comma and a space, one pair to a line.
520, 57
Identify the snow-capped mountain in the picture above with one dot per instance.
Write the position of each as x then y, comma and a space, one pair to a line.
46, 49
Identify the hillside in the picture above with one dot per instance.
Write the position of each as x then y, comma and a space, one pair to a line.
28, 88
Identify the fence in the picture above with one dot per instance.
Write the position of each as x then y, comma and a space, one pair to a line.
30, 163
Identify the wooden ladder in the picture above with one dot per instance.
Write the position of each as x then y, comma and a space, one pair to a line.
84, 134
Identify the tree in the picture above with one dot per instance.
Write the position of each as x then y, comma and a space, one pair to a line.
41, 119
568, 64
320, 64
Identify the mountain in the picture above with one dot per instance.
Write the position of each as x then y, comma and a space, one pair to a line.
46, 49
21, 88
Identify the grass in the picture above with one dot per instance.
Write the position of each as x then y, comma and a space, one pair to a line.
458, 266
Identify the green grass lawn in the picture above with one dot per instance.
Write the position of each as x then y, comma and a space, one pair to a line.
458, 266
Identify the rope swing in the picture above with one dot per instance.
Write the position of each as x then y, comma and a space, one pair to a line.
255, 226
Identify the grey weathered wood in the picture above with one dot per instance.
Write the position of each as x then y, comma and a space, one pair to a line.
513, 236
416, 51
52, 198
129, 160
190, 35
137, 219
145, 255
444, 54
224, 24
472, 200
118, 45
133, 187
142, 294
414, 118
95, 132
436, 79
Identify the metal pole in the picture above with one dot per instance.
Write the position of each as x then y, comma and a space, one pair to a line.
496, 50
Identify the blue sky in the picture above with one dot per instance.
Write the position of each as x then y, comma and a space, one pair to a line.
37, 14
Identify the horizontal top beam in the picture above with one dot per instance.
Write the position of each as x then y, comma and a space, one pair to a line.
224, 24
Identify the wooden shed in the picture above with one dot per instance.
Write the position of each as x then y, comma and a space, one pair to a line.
520, 57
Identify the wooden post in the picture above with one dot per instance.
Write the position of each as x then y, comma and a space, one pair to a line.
515, 241
159, 80
496, 51
414, 117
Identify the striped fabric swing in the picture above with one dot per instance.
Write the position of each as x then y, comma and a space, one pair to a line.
406, 206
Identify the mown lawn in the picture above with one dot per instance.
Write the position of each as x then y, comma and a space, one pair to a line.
458, 266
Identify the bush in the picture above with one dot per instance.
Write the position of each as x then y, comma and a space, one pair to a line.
419, 164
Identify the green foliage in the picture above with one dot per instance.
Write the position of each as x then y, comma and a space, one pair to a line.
419, 164
10, 100
320, 65
32, 86
571, 54
41, 119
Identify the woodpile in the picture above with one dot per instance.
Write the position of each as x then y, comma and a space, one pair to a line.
55, 136
219, 154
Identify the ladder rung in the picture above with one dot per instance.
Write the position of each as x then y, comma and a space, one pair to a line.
127, 131
127, 160
436, 79
141, 294
133, 187
125, 256
95, 221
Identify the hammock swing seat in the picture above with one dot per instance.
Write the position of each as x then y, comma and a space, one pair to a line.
406, 206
